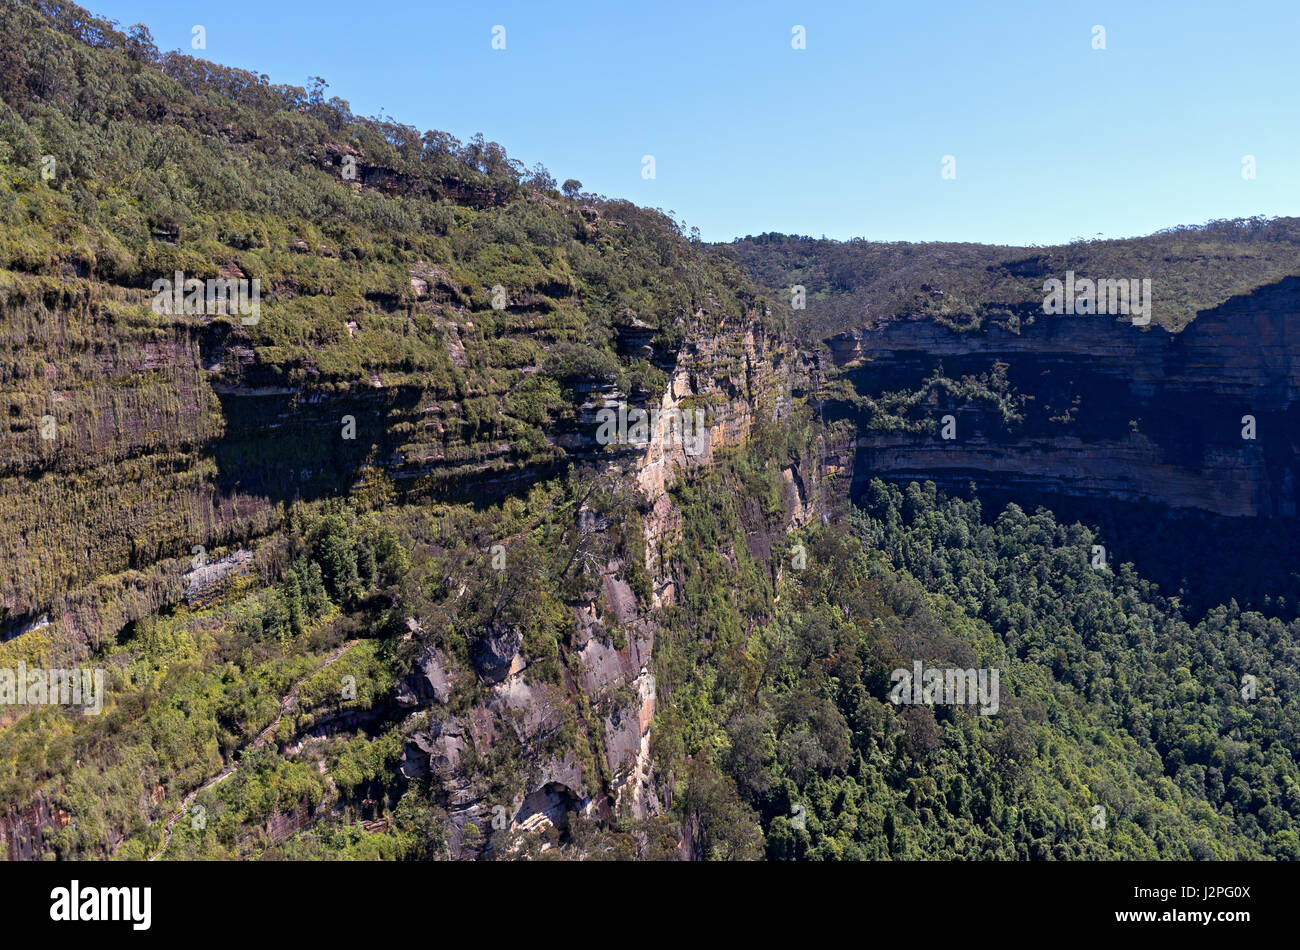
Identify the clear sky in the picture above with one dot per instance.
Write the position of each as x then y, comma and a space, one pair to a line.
1052, 139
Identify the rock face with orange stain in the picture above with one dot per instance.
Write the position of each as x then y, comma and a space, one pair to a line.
737, 376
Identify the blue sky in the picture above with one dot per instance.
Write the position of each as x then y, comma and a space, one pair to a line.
1052, 139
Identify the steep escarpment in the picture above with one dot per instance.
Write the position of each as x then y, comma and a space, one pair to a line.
1101, 408
582, 735
432, 320
1118, 425
1178, 438
396, 455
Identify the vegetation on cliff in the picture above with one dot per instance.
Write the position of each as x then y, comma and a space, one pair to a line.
458, 307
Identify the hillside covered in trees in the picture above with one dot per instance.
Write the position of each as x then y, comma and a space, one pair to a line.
857, 283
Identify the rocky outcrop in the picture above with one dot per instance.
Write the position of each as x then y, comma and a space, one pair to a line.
741, 379
206, 581
736, 379
428, 683
496, 654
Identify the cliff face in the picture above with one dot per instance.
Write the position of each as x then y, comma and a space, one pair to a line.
103, 472
743, 378
1112, 410
128, 445
736, 377
1094, 412
583, 742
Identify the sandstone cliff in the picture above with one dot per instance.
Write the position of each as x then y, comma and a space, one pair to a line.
1093, 413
